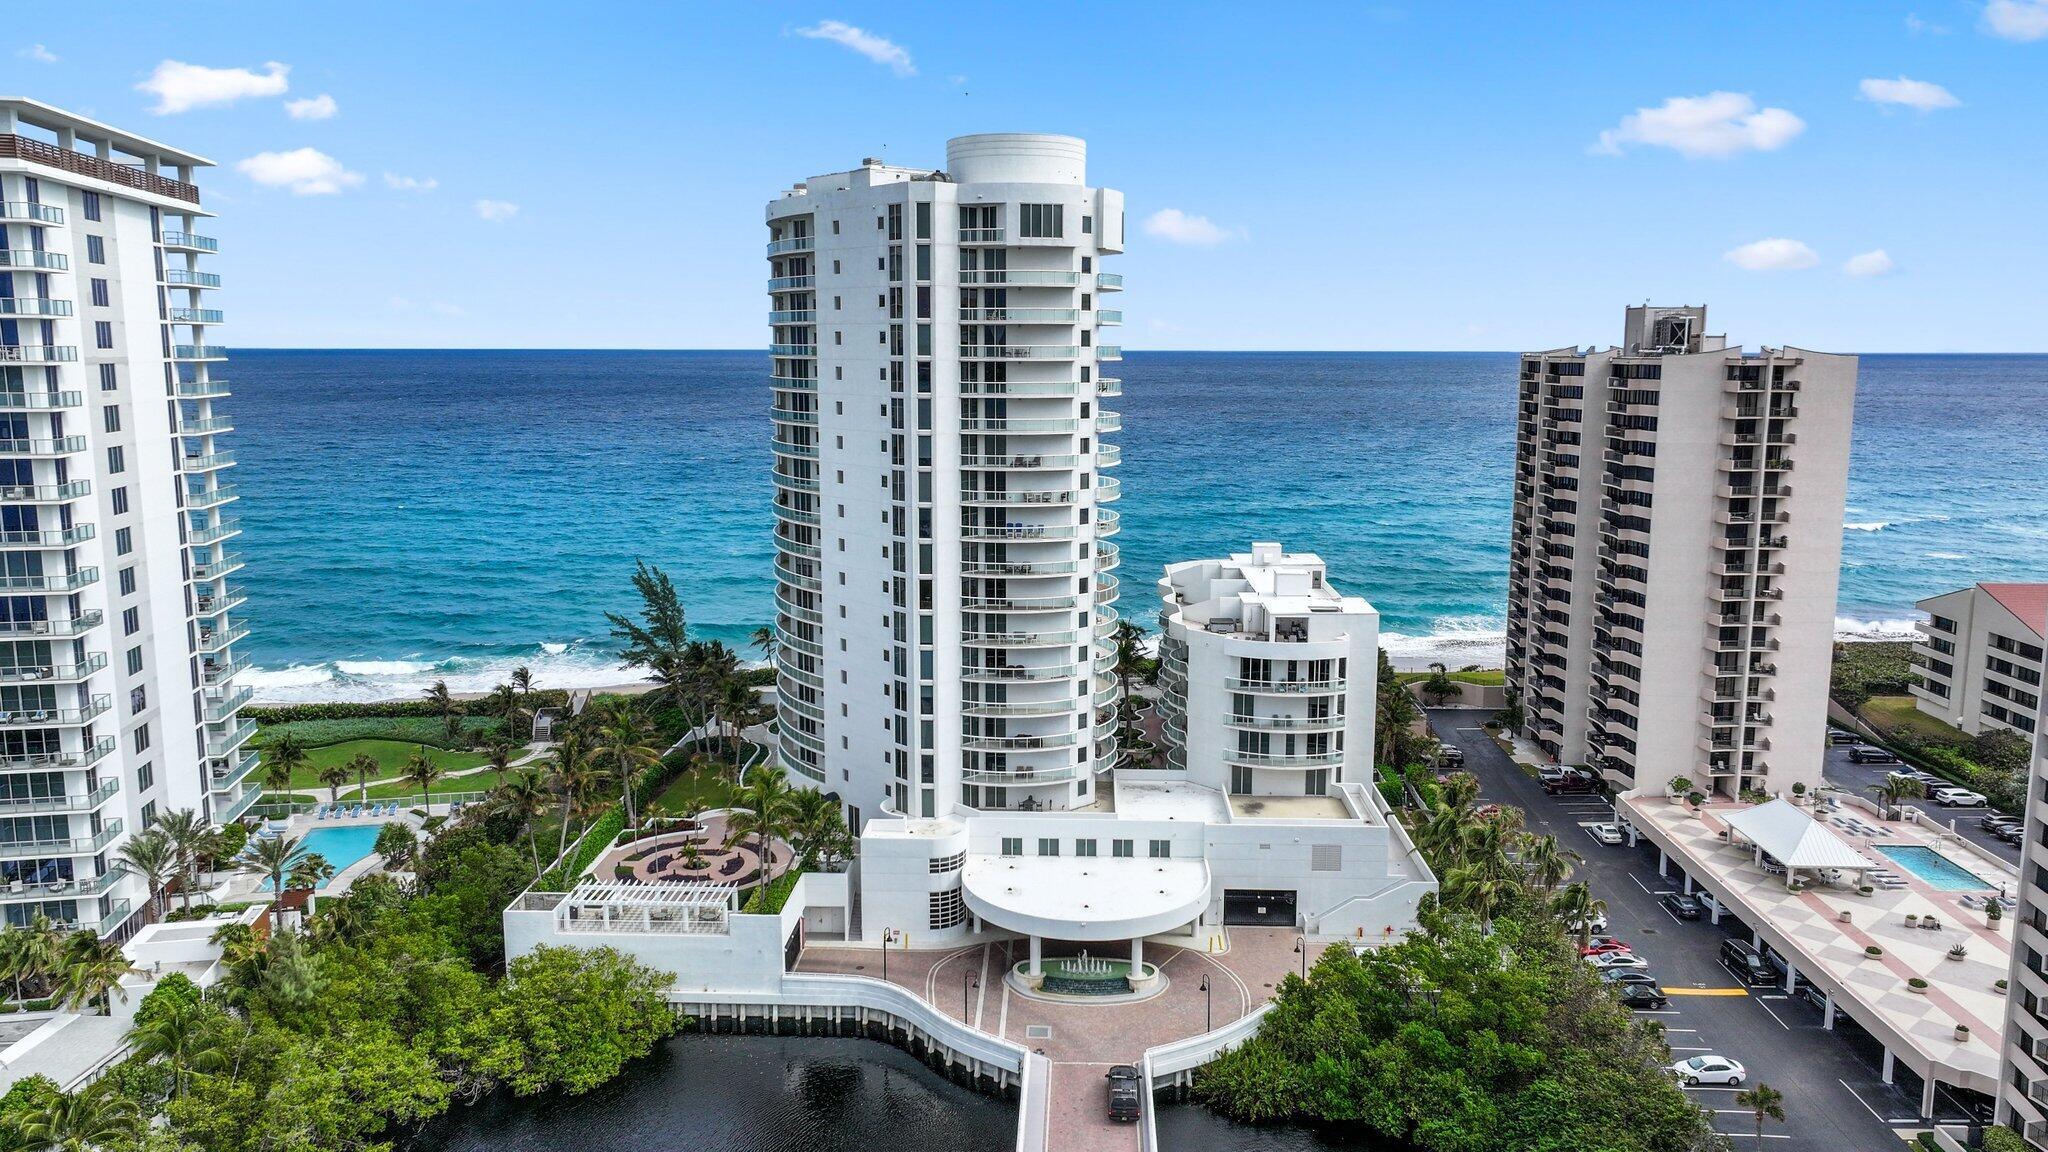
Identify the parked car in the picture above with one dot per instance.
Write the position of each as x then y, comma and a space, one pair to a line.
1124, 1097
1747, 964
1993, 821
1641, 996
1957, 798
1617, 960
1838, 737
2011, 833
1597, 924
1608, 834
1603, 947
1627, 976
1708, 902
1865, 754
1682, 906
1927, 779
1573, 780
1709, 1070
1600, 940
1450, 758
1549, 772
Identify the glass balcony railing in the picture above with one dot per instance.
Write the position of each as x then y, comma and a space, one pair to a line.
233, 811
44, 717
63, 845
52, 538
1109, 281
210, 497
203, 390
76, 626
791, 244
26, 210
188, 240
197, 316
215, 533
26, 306
38, 353
43, 401
46, 493
179, 277
198, 352
91, 754
85, 801
46, 673
30, 258
208, 461
215, 641
216, 568
53, 582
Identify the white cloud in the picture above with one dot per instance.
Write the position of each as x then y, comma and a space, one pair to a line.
39, 54
410, 183
181, 87
1919, 95
1717, 124
306, 171
1174, 225
2022, 20
321, 107
1917, 26
1873, 263
1773, 255
496, 210
880, 49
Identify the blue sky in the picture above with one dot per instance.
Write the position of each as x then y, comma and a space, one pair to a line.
1398, 176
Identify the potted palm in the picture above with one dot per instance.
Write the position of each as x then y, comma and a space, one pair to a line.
1678, 786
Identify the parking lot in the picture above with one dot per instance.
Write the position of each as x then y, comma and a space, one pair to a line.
1834, 1097
1850, 776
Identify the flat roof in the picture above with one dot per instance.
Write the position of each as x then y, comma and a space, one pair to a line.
1806, 926
1086, 897
52, 117
1169, 800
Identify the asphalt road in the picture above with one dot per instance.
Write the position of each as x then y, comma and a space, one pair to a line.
1834, 1099
1858, 778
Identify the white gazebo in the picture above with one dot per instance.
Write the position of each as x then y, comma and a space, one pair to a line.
1783, 832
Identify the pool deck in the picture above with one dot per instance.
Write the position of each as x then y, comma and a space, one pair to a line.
1808, 927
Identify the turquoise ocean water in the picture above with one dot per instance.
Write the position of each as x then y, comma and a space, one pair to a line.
410, 516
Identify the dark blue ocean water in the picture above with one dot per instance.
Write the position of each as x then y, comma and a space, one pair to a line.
415, 515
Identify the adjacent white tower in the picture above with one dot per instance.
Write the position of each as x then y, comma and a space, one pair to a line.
118, 700
1671, 597
1267, 675
944, 571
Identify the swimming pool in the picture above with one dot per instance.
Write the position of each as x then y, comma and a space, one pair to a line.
1937, 870
340, 846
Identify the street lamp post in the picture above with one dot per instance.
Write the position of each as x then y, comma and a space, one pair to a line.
968, 983
1208, 1005
1301, 950
889, 936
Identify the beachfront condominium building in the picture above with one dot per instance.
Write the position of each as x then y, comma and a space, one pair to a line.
117, 632
942, 489
1676, 549
2023, 1099
1267, 675
1978, 660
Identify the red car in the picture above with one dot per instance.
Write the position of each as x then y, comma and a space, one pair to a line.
1602, 944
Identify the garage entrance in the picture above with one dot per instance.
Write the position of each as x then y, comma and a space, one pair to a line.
1268, 909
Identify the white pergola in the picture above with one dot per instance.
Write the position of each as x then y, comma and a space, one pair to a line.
695, 908
1784, 832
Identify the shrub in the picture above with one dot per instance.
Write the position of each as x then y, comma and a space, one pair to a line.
1873, 950
770, 899
1875, 669
1916, 983
319, 733
2003, 1139
592, 842
390, 709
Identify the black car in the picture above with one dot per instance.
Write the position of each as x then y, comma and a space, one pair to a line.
1993, 821
2011, 833
1640, 996
1747, 963
1626, 976
1124, 1098
1682, 906
1450, 759
1865, 754
1571, 780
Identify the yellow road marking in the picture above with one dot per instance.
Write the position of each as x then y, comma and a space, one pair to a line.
1706, 991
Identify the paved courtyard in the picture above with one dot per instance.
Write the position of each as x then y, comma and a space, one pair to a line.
1082, 1040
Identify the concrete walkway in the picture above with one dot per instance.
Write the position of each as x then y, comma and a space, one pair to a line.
1082, 1040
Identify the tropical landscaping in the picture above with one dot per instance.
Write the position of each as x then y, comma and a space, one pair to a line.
1871, 680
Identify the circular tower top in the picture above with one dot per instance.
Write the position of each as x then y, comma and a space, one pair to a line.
1017, 158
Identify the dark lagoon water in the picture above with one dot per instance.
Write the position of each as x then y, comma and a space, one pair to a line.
746, 1094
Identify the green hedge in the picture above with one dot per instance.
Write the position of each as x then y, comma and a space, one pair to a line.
427, 730
770, 899
1863, 670
390, 709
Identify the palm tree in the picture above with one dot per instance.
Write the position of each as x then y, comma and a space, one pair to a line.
1894, 789
525, 797
1461, 790
422, 769
1575, 905
574, 779
658, 641
178, 1034
522, 682
1765, 1103
1439, 835
622, 743
1549, 865
363, 766
30, 953
1478, 891
442, 700
194, 840
310, 871
274, 857
503, 702
1130, 655
92, 971
768, 804
237, 941
152, 856
99, 1117
498, 754
333, 775
739, 706
818, 826
767, 641
281, 761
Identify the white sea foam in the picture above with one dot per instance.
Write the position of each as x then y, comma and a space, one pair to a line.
294, 676
381, 667
554, 649
1867, 526
1851, 629
1948, 556
1454, 640
367, 680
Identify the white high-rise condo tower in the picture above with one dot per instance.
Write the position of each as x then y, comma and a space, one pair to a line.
943, 567
117, 663
1677, 546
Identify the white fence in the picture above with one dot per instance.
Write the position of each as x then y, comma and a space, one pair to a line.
1174, 1063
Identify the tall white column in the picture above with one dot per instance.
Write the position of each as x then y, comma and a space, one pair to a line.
1137, 956
1035, 957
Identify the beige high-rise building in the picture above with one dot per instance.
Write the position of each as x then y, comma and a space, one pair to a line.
1677, 547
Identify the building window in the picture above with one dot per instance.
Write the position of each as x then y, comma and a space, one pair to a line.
1048, 846
111, 417
90, 205
124, 542
103, 333
1121, 849
131, 621
107, 380
1041, 221
948, 910
128, 581
1087, 225
142, 738
138, 700
135, 660
117, 461
99, 292
1162, 849
1013, 845
953, 863
1084, 847
148, 814
95, 250
120, 498
145, 778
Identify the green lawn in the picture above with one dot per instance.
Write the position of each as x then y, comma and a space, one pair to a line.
1890, 714
698, 790
391, 757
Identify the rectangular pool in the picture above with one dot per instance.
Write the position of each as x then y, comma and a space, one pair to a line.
341, 846
1936, 870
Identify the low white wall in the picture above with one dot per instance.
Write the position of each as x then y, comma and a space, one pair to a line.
1173, 1061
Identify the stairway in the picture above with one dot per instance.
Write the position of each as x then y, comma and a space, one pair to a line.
853, 900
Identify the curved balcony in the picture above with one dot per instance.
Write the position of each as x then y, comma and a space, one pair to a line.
94, 708
1108, 488
1108, 557
1025, 389
1019, 604
793, 316
1018, 278
1283, 687
1006, 709
1109, 387
185, 278
807, 484
1107, 523
1108, 352
1021, 568
791, 283
1020, 743
29, 210
797, 547
1019, 533
798, 611
1011, 674
188, 241
807, 518
1021, 463
1025, 498
1023, 777
792, 349
1107, 421
1284, 760
1014, 425
32, 259
1022, 639
49, 538
798, 451
1287, 723
29, 306
1020, 315
1109, 316
792, 244
1105, 590
793, 416
1109, 456
1019, 351
803, 739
